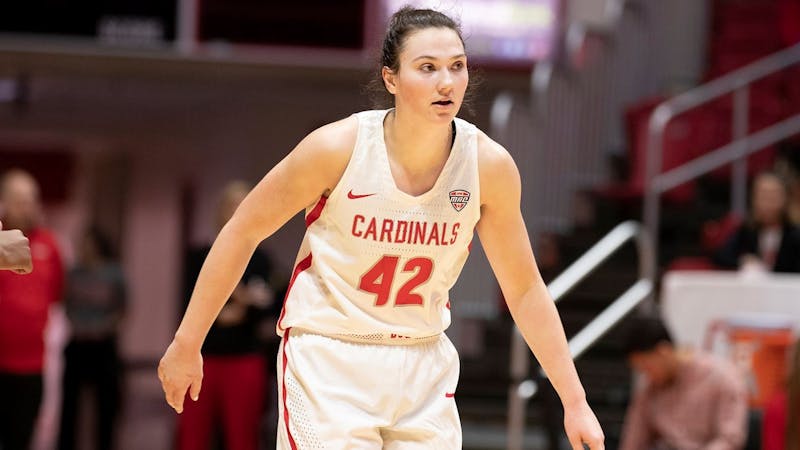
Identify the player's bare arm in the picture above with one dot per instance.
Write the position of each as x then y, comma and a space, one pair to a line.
312, 169
504, 238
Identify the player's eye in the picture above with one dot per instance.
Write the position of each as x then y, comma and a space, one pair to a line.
427, 68
458, 65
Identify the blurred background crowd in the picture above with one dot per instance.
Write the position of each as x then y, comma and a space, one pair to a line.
131, 130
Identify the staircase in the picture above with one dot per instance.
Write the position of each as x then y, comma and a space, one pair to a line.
484, 385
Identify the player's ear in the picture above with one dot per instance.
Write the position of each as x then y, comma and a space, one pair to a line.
389, 80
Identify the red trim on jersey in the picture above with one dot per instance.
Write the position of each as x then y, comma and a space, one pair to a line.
449, 394
316, 212
306, 262
301, 266
283, 388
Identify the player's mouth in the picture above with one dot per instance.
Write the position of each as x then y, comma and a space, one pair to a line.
443, 103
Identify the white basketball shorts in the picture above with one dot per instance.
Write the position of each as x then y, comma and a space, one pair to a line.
337, 394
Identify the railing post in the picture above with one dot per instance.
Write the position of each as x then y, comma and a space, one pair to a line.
520, 369
741, 119
186, 26
500, 115
652, 197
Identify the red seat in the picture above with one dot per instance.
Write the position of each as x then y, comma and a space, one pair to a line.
695, 263
676, 150
766, 107
788, 22
716, 232
791, 90
742, 31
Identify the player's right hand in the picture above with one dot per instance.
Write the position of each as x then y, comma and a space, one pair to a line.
16, 251
179, 370
582, 427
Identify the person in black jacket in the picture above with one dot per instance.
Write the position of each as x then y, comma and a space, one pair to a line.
95, 304
767, 239
235, 376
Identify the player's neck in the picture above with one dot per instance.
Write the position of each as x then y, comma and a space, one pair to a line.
414, 144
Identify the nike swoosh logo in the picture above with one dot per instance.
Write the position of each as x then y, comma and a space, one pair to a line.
352, 196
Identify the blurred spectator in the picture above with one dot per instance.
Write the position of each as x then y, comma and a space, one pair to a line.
684, 400
15, 251
781, 423
232, 351
767, 240
788, 168
24, 306
794, 202
94, 303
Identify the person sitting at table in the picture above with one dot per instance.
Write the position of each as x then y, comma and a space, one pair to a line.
766, 240
684, 399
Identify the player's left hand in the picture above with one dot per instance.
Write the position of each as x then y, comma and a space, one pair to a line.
582, 427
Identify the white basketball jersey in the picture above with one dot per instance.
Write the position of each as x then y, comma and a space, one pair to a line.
377, 263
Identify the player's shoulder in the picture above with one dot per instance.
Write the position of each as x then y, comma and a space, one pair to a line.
338, 136
329, 147
494, 161
497, 172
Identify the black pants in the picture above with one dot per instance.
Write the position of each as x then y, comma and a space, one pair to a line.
20, 398
95, 365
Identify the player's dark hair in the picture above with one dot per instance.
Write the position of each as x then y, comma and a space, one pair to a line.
404, 22
401, 25
644, 334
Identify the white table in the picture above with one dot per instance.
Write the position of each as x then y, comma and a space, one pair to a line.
690, 301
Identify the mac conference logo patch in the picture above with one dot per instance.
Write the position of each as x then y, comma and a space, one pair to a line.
459, 199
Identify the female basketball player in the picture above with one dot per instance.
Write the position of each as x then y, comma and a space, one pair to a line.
392, 199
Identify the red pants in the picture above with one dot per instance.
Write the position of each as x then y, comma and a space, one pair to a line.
232, 395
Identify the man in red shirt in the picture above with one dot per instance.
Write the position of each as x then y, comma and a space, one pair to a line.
24, 305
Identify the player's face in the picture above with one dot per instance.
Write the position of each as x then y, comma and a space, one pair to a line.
433, 77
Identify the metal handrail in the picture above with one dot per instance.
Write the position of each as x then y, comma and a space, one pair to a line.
522, 387
500, 114
738, 83
726, 154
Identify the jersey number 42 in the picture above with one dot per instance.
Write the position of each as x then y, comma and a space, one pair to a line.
378, 280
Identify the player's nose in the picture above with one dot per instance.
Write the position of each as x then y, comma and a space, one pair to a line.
445, 85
